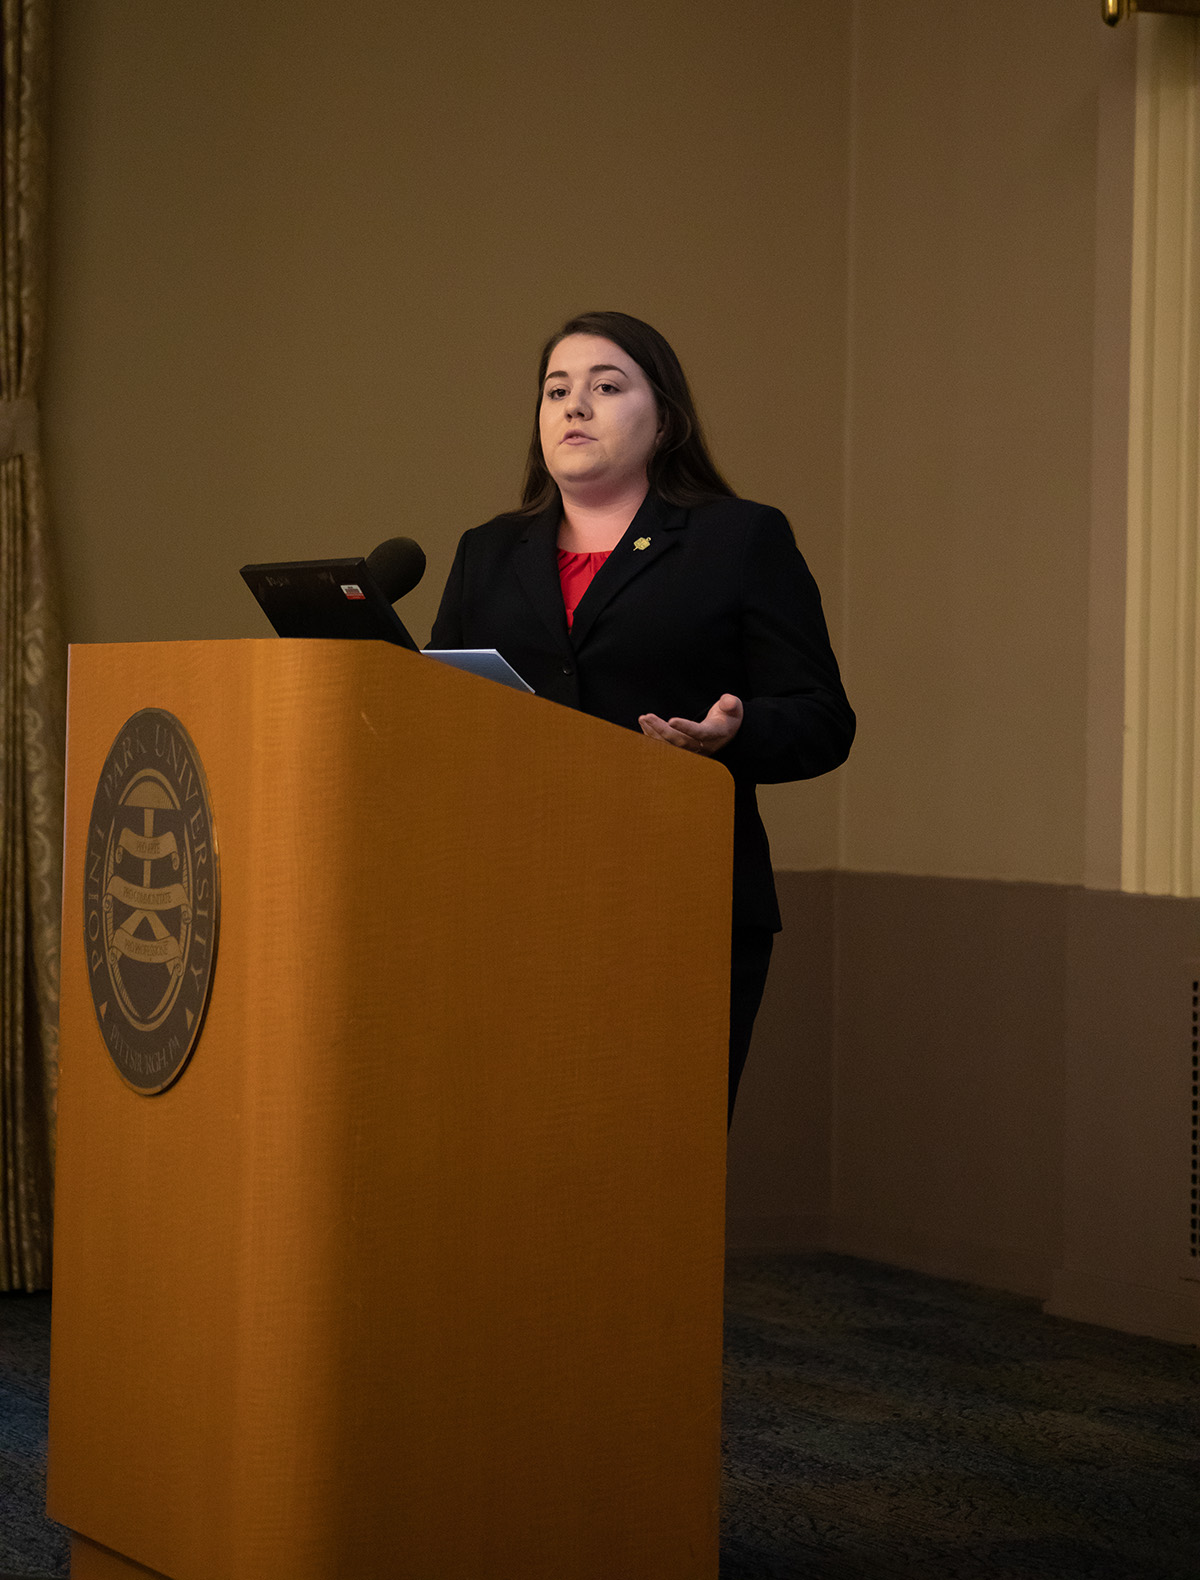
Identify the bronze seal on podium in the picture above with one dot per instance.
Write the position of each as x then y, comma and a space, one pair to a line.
151, 904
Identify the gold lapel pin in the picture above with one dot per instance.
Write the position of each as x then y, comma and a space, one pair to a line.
641, 543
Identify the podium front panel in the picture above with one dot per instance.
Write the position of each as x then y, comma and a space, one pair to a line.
416, 1270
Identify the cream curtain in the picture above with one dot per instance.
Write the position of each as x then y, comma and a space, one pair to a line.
33, 659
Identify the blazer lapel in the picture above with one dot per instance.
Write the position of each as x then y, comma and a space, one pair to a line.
653, 532
536, 564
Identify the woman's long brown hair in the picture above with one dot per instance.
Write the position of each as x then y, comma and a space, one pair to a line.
680, 471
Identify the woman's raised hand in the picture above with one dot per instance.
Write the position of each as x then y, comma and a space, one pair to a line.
706, 736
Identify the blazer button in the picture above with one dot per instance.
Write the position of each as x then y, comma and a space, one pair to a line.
568, 669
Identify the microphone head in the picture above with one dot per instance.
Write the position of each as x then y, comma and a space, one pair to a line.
396, 567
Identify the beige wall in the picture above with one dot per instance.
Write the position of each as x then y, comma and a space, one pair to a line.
304, 256
969, 460
986, 1081
1004, 1088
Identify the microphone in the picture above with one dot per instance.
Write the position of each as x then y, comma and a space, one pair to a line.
396, 567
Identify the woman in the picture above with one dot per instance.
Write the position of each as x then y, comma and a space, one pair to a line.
633, 584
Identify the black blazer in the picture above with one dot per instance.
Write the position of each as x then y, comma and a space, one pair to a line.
690, 604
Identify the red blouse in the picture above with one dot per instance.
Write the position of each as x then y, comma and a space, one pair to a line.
575, 572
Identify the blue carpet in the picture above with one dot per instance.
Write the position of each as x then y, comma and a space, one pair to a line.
878, 1425
30, 1544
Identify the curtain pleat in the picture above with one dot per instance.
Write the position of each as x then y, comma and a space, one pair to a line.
32, 685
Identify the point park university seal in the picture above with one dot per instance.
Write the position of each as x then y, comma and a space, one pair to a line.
151, 902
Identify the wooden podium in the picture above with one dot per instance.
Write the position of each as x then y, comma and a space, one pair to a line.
415, 1273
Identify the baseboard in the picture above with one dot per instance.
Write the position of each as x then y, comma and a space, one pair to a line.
1133, 1308
971, 1262
784, 1236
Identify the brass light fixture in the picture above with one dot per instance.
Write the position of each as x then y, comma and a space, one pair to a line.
1114, 11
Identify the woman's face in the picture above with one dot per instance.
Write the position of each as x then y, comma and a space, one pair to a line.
598, 419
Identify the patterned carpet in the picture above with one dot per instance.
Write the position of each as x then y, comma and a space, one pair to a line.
30, 1544
883, 1424
879, 1425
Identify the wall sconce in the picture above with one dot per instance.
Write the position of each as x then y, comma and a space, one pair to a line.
1114, 11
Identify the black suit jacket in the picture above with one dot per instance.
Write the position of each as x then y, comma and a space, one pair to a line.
716, 598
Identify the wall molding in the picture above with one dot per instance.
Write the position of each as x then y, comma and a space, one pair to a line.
1161, 818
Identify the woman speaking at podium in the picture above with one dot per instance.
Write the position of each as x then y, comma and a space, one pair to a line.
635, 585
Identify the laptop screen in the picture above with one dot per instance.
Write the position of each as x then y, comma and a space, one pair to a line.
325, 598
